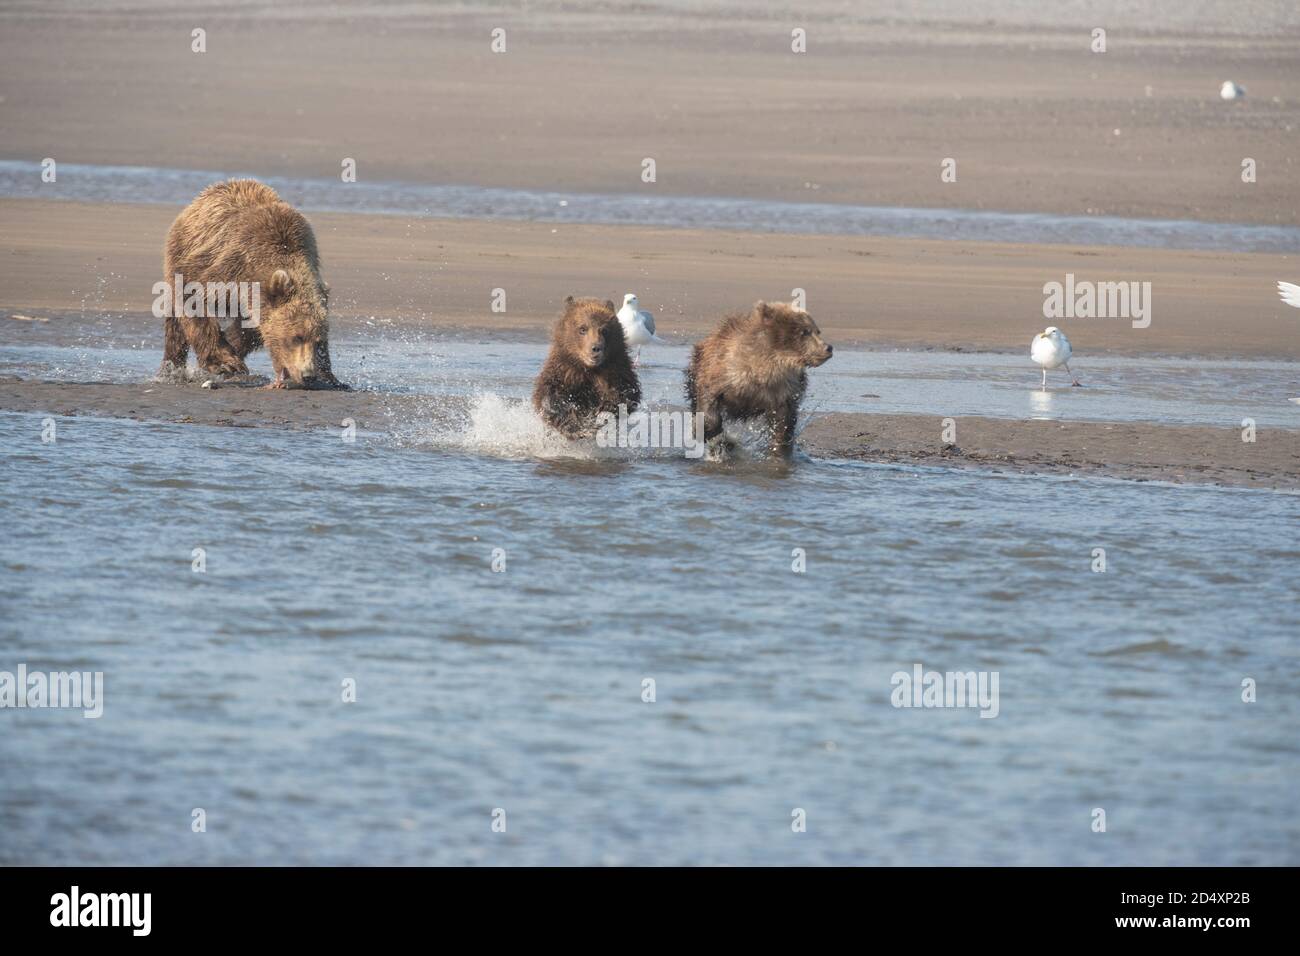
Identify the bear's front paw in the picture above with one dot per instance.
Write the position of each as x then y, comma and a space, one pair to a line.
721, 448
232, 366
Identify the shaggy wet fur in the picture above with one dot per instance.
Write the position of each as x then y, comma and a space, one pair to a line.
587, 371
241, 231
755, 364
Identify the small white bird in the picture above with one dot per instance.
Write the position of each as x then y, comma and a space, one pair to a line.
1051, 349
638, 326
1231, 91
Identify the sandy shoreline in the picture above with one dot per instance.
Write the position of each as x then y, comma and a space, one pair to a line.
1035, 121
61, 257
1182, 454
1179, 454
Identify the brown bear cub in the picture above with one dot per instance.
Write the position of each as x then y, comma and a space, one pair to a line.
587, 371
755, 364
241, 232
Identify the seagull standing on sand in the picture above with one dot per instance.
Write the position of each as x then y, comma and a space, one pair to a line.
638, 326
1051, 349
1231, 91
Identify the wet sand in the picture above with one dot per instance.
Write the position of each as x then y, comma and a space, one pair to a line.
711, 92
58, 257
1177, 454
1181, 454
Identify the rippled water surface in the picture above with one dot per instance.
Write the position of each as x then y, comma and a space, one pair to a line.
1183, 391
522, 689
148, 184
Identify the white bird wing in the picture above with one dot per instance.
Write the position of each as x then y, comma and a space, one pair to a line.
649, 322
1290, 293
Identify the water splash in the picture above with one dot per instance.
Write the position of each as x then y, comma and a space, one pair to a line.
508, 428
498, 426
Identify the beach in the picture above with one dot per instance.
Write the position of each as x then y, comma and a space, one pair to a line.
582, 95
432, 273
866, 117
435, 277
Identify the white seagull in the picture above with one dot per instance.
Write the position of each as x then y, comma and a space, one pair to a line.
1051, 349
1231, 91
638, 326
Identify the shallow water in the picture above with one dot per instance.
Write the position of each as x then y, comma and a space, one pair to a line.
381, 356
521, 690
148, 184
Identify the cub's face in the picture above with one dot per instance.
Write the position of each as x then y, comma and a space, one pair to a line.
795, 335
590, 330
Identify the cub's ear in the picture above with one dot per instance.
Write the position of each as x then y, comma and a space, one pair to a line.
762, 310
609, 304
568, 300
280, 287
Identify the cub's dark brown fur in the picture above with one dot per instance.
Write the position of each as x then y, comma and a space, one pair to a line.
755, 364
241, 231
587, 370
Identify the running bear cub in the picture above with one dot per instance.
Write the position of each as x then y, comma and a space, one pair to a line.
587, 371
755, 364
241, 231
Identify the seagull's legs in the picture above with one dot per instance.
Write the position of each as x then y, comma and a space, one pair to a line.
1044, 378
1074, 379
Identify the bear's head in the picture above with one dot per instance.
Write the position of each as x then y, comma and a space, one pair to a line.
791, 334
295, 327
590, 331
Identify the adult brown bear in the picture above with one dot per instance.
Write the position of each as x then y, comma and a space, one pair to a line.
587, 371
235, 232
754, 364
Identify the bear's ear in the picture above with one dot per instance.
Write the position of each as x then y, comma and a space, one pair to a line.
568, 300
762, 310
609, 304
280, 287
